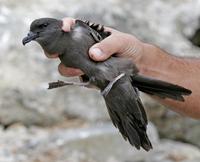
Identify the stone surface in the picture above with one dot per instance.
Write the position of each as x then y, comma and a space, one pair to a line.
26, 94
173, 126
94, 143
24, 70
24, 73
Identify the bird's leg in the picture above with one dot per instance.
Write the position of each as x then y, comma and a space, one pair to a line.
110, 85
59, 83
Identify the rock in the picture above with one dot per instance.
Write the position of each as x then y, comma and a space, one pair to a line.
176, 151
24, 70
20, 86
92, 143
172, 125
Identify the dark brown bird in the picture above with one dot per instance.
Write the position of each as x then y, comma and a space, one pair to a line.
117, 78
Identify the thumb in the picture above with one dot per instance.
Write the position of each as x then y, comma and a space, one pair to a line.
107, 47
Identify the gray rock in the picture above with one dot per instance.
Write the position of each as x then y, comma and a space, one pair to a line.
94, 143
175, 151
24, 70
172, 125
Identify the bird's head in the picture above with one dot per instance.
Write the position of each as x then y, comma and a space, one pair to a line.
45, 31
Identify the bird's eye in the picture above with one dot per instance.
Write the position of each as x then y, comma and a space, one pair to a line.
43, 25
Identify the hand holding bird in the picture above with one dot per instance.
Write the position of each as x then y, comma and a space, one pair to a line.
117, 77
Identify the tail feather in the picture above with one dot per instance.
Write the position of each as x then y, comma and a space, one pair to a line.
162, 95
160, 88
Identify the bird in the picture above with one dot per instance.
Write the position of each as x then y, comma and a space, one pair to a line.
117, 78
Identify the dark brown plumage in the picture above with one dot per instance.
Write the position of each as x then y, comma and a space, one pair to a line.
117, 78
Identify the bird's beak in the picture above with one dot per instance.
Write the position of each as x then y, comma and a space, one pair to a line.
31, 36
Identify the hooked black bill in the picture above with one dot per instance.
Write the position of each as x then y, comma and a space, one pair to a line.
31, 36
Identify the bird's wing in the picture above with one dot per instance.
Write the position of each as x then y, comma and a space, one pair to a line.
127, 113
97, 31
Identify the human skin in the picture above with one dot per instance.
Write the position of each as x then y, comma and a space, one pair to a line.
151, 61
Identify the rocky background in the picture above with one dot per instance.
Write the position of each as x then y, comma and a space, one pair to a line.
71, 124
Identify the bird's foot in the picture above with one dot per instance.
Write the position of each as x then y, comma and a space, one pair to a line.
59, 83
110, 85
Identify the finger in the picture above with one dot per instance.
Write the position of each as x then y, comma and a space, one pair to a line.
51, 55
113, 44
67, 23
113, 31
66, 71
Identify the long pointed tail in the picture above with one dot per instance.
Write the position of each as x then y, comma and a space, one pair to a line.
159, 88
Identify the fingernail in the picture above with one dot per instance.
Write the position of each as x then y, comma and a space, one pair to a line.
96, 51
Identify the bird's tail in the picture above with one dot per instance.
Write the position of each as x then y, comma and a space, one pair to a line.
160, 88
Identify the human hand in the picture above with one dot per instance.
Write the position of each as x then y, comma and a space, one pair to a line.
121, 44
